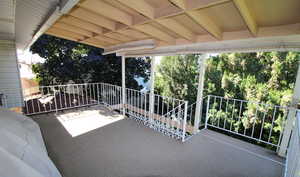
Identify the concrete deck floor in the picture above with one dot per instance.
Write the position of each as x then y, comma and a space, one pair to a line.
126, 149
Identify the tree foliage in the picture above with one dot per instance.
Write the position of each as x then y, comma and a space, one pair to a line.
257, 77
177, 77
70, 61
262, 77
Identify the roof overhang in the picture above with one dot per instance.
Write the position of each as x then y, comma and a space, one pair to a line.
51, 17
152, 27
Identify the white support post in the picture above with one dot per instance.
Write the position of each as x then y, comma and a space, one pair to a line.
290, 117
152, 79
199, 101
123, 85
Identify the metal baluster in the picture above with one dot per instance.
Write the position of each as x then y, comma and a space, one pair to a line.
225, 120
207, 111
26, 104
254, 122
32, 101
271, 129
220, 109
82, 94
239, 119
262, 126
232, 118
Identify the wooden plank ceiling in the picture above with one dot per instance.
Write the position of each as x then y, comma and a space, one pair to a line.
105, 23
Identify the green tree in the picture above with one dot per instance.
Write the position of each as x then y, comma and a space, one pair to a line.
177, 77
262, 77
257, 77
67, 60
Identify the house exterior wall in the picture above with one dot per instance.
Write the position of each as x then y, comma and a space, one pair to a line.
10, 84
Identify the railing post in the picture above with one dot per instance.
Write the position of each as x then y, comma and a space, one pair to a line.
151, 99
207, 111
97, 92
199, 101
292, 166
55, 101
291, 117
184, 120
287, 132
123, 85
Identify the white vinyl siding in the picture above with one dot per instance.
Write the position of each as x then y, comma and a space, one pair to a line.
9, 74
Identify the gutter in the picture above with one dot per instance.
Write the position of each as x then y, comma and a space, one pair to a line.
54, 15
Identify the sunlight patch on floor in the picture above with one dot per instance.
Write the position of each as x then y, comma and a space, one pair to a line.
83, 121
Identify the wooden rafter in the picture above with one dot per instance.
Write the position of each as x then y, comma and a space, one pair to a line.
247, 15
82, 24
140, 6
94, 18
134, 33
50, 32
173, 22
179, 3
73, 29
107, 39
107, 10
156, 33
207, 23
95, 42
61, 32
118, 36
178, 28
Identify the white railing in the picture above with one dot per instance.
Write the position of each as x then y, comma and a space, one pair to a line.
45, 99
292, 168
110, 95
167, 115
259, 122
191, 117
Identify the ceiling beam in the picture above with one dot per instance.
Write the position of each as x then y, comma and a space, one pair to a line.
200, 4
93, 18
247, 16
179, 3
130, 46
140, 6
107, 10
61, 36
95, 42
118, 36
107, 39
207, 23
177, 28
62, 32
73, 29
82, 24
133, 34
156, 33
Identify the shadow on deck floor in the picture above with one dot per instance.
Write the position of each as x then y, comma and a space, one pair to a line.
127, 149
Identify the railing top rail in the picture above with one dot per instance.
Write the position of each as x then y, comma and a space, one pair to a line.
63, 85
57, 85
177, 107
155, 94
253, 102
71, 84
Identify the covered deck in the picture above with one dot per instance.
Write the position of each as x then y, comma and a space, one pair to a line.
98, 142
124, 148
